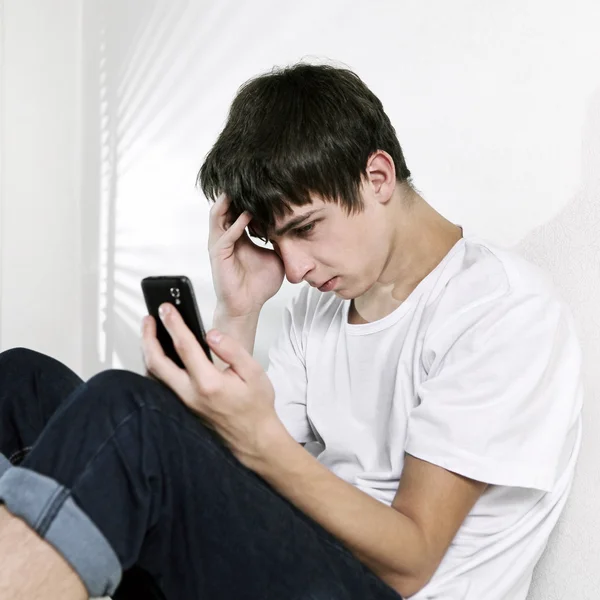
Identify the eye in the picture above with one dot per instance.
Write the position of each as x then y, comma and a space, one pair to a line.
304, 230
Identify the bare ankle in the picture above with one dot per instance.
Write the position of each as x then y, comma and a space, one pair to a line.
31, 568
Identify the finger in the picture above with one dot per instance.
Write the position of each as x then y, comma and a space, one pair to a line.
158, 365
233, 234
219, 212
222, 204
234, 354
193, 357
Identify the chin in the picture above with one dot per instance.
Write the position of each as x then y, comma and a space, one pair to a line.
357, 292
346, 294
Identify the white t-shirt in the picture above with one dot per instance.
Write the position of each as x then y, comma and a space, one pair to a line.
477, 371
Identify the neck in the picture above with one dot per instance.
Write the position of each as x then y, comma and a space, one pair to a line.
420, 240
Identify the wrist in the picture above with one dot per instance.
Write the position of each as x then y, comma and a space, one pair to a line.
242, 329
273, 442
222, 316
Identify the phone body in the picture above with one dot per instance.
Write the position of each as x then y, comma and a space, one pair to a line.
178, 290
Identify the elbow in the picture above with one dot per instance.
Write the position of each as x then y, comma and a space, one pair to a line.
407, 580
417, 568
411, 579
407, 585
411, 571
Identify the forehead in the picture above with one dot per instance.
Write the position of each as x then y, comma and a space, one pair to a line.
300, 211
295, 216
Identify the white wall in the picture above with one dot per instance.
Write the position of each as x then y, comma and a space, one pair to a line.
568, 246
40, 285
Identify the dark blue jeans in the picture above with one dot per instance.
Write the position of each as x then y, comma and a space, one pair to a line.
183, 517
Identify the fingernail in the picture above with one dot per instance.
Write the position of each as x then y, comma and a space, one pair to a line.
144, 323
215, 337
164, 310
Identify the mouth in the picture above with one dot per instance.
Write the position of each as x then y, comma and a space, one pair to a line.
328, 285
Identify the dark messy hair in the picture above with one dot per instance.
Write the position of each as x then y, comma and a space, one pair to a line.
295, 131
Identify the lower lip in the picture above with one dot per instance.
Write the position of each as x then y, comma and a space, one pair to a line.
329, 285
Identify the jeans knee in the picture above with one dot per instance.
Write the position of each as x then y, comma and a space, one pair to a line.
22, 364
118, 393
20, 359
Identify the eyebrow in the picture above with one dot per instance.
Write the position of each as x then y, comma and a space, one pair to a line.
295, 222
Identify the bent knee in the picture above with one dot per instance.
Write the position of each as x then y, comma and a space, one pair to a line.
23, 362
118, 390
20, 359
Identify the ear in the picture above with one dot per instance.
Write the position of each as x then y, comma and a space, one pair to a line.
381, 176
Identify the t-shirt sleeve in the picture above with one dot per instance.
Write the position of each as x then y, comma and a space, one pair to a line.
287, 372
502, 392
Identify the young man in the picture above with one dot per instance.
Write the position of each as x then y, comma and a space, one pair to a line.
436, 378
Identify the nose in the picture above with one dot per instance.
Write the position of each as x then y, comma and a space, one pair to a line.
296, 264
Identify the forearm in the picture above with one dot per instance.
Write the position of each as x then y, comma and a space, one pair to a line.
384, 539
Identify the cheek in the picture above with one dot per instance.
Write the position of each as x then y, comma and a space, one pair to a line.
368, 252
351, 256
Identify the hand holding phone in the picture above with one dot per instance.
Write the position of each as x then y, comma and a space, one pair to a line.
238, 402
177, 290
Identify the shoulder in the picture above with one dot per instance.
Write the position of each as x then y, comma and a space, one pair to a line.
485, 286
482, 273
484, 269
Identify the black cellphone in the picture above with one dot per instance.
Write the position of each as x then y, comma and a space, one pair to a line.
178, 290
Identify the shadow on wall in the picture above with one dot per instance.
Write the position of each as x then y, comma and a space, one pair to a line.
132, 60
568, 247
104, 332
